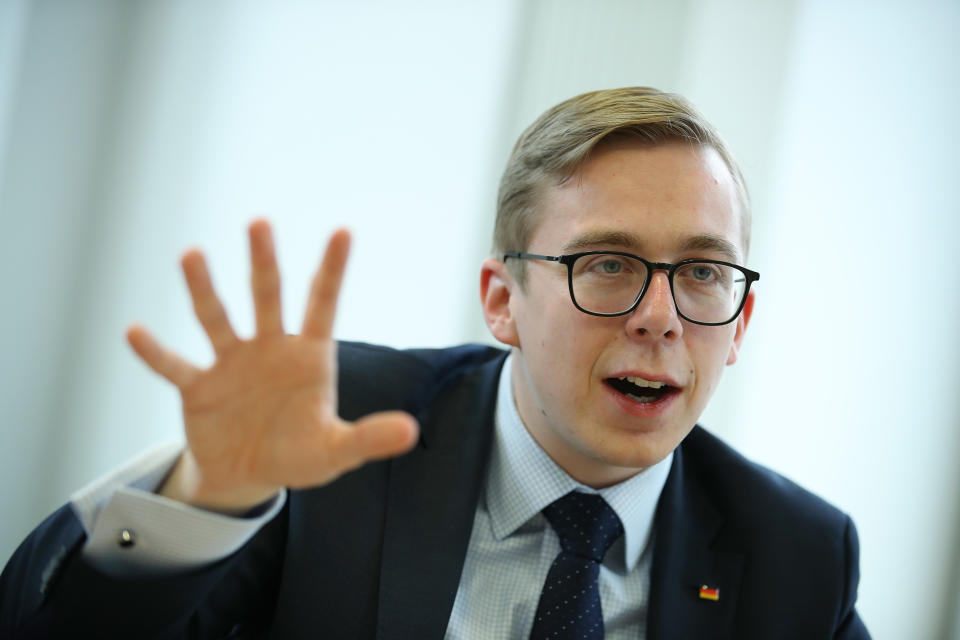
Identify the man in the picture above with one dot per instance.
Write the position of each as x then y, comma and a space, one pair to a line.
563, 491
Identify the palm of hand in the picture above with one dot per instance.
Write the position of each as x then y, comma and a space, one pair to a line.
276, 395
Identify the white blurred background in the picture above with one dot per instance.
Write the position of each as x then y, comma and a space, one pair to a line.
130, 130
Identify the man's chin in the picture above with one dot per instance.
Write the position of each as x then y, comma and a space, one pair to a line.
635, 451
609, 466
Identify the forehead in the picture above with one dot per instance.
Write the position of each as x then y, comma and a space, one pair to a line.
661, 201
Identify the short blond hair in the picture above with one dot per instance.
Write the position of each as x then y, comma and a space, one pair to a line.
561, 140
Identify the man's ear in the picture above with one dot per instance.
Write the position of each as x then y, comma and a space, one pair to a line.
496, 287
742, 323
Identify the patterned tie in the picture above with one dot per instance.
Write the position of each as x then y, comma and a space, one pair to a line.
570, 601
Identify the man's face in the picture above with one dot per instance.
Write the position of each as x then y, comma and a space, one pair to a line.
665, 203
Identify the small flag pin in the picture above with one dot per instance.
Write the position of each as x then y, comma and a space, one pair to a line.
709, 593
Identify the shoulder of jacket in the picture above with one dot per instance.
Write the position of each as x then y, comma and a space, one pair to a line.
374, 377
752, 494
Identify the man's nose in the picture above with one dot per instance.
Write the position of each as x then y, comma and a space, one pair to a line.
656, 315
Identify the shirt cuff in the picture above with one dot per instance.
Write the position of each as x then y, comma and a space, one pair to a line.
132, 531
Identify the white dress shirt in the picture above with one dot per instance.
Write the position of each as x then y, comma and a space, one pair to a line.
167, 536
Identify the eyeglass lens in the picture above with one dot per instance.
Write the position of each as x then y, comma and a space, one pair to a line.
704, 291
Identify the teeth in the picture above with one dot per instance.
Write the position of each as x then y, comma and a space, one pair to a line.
641, 382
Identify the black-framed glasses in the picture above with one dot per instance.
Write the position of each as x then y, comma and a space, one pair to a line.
612, 283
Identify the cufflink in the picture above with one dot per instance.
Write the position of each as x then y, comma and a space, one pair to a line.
126, 538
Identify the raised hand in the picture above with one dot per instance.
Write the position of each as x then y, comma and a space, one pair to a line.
264, 416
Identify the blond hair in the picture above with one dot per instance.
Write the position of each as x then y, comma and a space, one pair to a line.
561, 140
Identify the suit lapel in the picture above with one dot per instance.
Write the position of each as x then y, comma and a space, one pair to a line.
431, 501
685, 559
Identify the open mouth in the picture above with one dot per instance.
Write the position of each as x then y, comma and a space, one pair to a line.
641, 390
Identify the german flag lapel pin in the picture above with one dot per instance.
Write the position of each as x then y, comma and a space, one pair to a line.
709, 593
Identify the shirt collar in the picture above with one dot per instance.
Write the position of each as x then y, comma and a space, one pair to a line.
522, 480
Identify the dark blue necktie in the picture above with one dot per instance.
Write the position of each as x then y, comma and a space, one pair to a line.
570, 601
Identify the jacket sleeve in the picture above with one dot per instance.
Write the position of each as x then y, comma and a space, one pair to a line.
48, 590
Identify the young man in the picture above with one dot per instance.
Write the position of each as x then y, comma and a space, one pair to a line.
561, 489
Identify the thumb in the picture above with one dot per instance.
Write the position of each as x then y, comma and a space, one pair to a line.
381, 435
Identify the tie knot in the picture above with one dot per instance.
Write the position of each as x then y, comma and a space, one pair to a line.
585, 524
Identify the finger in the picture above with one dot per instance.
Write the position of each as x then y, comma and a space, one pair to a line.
164, 362
265, 280
325, 288
206, 304
374, 437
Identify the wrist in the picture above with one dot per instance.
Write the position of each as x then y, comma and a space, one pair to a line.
187, 484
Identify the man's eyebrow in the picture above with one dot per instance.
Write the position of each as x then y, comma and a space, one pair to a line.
698, 243
604, 237
712, 243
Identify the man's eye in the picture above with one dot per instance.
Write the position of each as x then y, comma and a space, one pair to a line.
703, 272
611, 266
605, 266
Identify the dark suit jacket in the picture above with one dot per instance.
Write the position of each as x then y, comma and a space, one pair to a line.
378, 553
